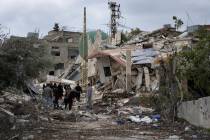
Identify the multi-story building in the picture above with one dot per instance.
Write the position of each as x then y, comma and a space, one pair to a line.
63, 47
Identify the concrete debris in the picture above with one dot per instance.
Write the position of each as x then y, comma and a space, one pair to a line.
87, 116
30, 137
194, 136
7, 115
61, 115
42, 118
174, 137
37, 122
1, 100
148, 49
118, 93
14, 137
15, 97
187, 128
22, 122
137, 119
146, 119
130, 110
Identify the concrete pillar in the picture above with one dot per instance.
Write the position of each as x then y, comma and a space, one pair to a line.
139, 78
128, 70
147, 78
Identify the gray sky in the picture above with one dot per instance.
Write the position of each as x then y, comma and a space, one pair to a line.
22, 16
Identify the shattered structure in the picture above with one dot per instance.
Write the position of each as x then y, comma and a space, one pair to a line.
63, 46
148, 49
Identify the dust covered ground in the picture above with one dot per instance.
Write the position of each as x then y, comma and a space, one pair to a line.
30, 120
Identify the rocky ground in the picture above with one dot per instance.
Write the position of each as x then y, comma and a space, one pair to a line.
24, 119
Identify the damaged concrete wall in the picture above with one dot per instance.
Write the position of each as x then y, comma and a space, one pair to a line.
147, 78
197, 112
139, 78
102, 64
118, 75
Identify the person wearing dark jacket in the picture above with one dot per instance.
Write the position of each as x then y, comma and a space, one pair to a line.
78, 89
72, 94
56, 96
66, 95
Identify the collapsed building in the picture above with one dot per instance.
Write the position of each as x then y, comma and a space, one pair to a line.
147, 51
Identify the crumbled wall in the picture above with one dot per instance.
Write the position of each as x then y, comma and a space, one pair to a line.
196, 112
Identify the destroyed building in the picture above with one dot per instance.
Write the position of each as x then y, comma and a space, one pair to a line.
147, 49
96, 40
63, 46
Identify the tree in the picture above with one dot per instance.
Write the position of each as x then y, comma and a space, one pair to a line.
125, 36
56, 27
194, 65
20, 62
135, 31
177, 22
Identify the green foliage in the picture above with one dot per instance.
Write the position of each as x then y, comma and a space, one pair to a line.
194, 64
177, 22
135, 31
125, 36
20, 61
56, 27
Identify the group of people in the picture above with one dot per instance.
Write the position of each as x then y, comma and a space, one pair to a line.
53, 93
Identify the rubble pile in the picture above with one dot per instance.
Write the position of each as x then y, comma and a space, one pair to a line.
29, 119
16, 113
117, 113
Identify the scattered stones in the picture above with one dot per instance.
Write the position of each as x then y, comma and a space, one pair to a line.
194, 136
174, 137
22, 122
62, 115
1, 100
30, 137
42, 118
187, 128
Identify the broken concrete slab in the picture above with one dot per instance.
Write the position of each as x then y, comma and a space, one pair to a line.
1, 100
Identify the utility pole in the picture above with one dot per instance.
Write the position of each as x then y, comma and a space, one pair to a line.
84, 54
115, 14
128, 70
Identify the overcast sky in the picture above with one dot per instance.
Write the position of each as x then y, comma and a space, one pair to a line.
22, 16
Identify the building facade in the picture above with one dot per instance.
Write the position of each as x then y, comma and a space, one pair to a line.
63, 47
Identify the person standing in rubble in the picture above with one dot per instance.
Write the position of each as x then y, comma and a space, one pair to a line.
89, 96
48, 95
56, 96
71, 96
60, 93
66, 96
78, 88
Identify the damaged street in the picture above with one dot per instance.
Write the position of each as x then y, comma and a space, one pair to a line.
126, 119
82, 79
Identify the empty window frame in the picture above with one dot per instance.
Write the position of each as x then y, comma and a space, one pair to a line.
107, 71
51, 73
55, 47
55, 53
59, 66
